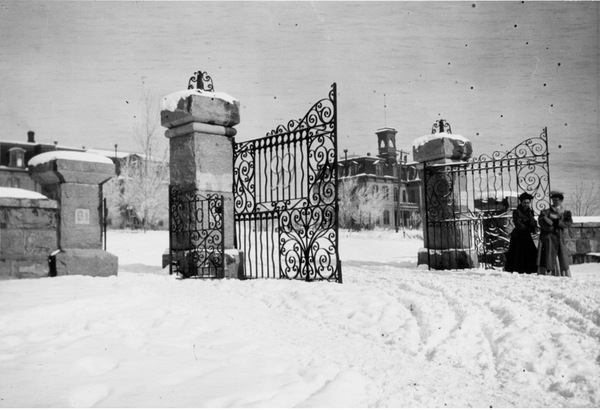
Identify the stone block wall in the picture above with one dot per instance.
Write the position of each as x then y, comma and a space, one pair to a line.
583, 241
28, 235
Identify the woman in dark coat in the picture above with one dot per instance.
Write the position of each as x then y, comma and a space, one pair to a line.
522, 252
553, 255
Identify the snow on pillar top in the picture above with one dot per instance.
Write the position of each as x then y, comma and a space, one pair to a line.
183, 107
199, 109
441, 145
56, 167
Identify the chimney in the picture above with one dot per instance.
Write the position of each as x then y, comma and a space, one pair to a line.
30, 136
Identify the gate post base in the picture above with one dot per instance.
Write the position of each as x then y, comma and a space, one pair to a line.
87, 262
234, 264
443, 259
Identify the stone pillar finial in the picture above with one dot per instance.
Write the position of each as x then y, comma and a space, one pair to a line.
74, 179
201, 81
441, 126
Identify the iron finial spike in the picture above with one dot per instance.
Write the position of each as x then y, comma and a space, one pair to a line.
199, 84
201, 81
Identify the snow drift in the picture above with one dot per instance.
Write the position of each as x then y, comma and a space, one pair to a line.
392, 335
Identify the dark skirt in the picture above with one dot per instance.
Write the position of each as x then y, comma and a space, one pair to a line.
522, 253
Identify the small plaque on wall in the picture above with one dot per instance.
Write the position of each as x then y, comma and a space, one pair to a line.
82, 216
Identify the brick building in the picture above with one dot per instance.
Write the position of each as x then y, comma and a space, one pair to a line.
14, 157
389, 172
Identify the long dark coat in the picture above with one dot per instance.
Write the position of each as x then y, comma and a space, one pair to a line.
552, 242
522, 252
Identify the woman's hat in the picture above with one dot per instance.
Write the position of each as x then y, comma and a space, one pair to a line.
525, 196
557, 194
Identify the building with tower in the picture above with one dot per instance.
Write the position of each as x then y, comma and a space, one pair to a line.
390, 178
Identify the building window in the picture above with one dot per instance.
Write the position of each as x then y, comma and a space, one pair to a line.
17, 158
403, 196
386, 192
13, 182
395, 194
379, 169
386, 217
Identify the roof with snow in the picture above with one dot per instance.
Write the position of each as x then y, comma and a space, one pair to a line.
41, 143
583, 219
20, 193
109, 153
70, 155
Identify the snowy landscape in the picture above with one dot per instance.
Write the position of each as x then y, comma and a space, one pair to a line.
392, 335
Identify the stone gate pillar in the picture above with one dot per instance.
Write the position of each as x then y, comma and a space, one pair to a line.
74, 180
447, 242
200, 132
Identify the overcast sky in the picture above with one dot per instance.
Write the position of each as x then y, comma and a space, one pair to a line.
498, 72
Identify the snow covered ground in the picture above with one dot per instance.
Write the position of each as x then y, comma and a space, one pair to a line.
392, 335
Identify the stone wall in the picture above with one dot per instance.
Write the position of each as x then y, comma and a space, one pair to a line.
74, 180
28, 235
583, 241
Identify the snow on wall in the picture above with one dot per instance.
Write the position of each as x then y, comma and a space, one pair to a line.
584, 219
70, 155
20, 193
169, 102
108, 153
497, 194
419, 142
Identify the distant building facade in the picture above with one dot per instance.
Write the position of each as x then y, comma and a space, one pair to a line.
14, 172
393, 175
14, 157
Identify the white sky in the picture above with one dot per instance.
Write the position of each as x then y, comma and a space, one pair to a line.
498, 72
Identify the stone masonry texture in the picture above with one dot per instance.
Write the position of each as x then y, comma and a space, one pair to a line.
28, 235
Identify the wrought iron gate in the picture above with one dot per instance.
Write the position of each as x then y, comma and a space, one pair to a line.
469, 204
285, 198
196, 234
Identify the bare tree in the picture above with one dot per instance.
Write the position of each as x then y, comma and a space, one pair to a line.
111, 191
145, 190
148, 176
348, 206
360, 204
585, 199
145, 132
142, 186
371, 202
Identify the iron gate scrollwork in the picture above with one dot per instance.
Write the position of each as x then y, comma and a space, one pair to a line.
285, 198
196, 233
469, 204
